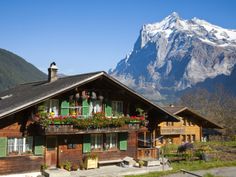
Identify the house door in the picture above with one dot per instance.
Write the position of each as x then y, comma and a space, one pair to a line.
51, 151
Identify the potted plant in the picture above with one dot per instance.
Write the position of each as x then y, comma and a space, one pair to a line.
141, 163
91, 161
74, 167
67, 165
44, 167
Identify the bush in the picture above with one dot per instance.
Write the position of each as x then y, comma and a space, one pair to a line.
74, 167
67, 165
44, 167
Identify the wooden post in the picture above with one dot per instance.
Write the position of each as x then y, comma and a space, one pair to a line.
145, 138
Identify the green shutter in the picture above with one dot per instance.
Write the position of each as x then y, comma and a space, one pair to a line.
85, 107
123, 141
38, 145
86, 143
65, 108
108, 109
3, 146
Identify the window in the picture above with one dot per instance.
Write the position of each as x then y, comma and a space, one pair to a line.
117, 108
96, 142
169, 123
111, 140
71, 144
53, 107
185, 121
188, 138
183, 138
193, 138
95, 106
19, 145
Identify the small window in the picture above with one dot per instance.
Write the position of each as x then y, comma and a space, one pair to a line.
71, 146
188, 138
117, 108
111, 141
169, 123
193, 138
97, 142
20, 145
53, 107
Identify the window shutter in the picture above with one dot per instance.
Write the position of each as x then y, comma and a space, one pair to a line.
3, 146
108, 109
86, 143
123, 141
85, 107
65, 108
38, 145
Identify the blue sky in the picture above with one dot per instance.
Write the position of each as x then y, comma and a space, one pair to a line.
92, 35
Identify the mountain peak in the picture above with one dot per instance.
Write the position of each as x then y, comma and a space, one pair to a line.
175, 54
173, 16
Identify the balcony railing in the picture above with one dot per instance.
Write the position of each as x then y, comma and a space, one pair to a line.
70, 129
171, 130
147, 153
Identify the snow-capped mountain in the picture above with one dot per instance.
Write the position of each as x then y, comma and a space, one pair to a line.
175, 54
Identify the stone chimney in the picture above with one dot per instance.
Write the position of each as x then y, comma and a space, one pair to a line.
52, 72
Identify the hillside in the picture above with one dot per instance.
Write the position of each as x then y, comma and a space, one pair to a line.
15, 70
177, 54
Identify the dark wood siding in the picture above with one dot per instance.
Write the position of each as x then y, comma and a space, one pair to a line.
19, 164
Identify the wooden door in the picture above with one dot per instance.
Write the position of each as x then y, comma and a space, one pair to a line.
51, 151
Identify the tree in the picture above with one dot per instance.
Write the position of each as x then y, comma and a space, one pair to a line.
219, 106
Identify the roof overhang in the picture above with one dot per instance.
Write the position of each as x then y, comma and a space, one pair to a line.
82, 82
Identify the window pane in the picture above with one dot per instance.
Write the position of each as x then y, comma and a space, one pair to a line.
117, 107
111, 140
96, 141
10, 144
29, 144
19, 145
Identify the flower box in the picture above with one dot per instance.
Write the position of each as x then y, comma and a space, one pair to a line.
91, 162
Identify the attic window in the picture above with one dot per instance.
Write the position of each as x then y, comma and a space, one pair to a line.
5, 97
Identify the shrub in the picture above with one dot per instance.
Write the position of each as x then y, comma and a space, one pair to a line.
74, 167
44, 167
67, 165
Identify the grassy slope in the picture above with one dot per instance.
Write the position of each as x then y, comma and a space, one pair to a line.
15, 70
222, 149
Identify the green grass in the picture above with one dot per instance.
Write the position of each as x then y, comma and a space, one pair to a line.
215, 147
189, 166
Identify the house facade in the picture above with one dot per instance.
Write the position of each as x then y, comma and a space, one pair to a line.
66, 119
188, 129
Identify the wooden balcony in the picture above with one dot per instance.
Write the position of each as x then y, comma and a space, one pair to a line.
69, 129
172, 130
147, 153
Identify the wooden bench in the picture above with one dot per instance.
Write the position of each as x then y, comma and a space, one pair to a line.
105, 162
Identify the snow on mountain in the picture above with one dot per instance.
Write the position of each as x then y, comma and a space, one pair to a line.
176, 54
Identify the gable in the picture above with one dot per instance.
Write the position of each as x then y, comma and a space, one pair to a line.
27, 95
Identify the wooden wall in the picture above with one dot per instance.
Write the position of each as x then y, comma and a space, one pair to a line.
189, 130
16, 126
76, 155
19, 164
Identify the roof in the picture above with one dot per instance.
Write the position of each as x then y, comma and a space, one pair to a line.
177, 110
27, 95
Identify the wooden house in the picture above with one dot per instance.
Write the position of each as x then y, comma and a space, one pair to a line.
66, 119
188, 129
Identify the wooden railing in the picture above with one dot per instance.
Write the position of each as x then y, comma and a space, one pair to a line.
69, 129
147, 153
171, 130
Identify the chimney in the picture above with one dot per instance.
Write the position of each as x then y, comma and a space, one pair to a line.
52, 72
171, 105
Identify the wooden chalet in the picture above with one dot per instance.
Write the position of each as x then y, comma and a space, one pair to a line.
188, 129
65, 119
